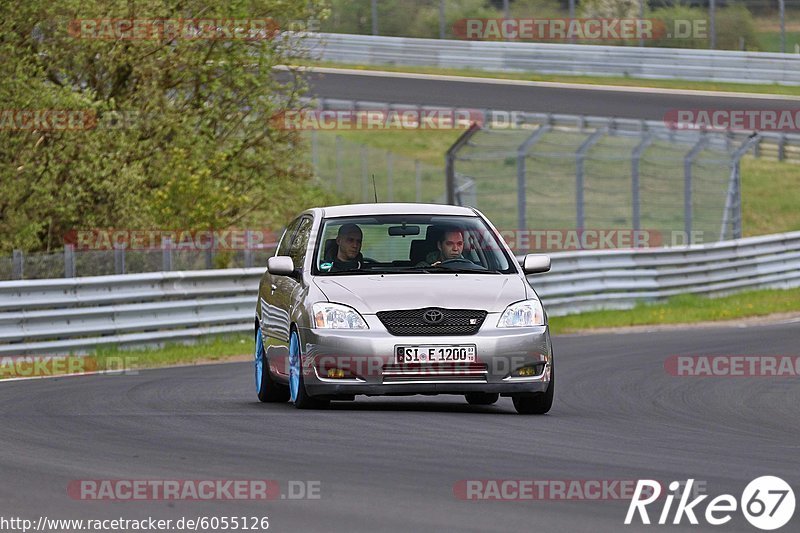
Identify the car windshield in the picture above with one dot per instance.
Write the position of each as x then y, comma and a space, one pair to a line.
409, 244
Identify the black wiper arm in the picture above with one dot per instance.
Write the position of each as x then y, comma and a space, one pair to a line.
468, 270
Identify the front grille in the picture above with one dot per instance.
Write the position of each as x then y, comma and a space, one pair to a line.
457, 372
411, 322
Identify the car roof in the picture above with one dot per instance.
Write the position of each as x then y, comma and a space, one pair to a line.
388, 208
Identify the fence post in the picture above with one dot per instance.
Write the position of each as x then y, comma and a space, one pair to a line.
442, 20
119, 259
522, 196
248, 249
339, 163
782, 15
166, 254
635, 161
418, 179
315, 152
687, 186
389, 176
450, 162
69, 260
641, 17
712, 23
733, 200
782, 147
580, 156
17, 265
209, 254
364, 175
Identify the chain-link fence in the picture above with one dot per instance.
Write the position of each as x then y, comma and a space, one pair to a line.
348, 168
570, 174
73, 263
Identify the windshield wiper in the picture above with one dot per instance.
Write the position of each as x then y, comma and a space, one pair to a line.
401, 269
438, 269
468, 270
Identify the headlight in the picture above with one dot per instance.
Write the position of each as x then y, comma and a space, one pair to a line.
522, 314
337, 316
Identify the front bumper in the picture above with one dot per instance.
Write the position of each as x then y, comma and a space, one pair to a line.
367, 360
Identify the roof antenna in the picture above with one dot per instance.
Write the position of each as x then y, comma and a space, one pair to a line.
374, 188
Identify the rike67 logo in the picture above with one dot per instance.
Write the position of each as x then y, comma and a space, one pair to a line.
767, 503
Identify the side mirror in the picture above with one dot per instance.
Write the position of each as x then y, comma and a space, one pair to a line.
281, 265
536, 263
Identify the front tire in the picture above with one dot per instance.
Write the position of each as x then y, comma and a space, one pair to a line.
268, 390
538, 403
297, 389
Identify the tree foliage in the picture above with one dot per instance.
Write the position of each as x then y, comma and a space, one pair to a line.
180, 134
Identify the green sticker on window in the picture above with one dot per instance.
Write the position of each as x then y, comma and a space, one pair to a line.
326, 266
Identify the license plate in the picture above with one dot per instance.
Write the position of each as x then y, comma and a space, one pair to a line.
432, 353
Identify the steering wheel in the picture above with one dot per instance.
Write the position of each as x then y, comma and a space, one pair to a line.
456, 261
466, 264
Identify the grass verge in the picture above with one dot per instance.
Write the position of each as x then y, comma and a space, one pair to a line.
684, 309
115, 359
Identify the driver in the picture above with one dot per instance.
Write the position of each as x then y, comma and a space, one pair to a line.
450, 245
348, 249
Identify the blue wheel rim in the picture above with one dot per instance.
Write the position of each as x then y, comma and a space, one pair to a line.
259, 362
294, 366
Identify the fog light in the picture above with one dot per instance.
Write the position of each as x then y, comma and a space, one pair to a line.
335, 373
529, 371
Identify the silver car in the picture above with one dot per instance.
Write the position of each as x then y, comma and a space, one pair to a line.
400, 299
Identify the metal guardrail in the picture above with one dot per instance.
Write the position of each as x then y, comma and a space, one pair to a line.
76, 314
615, 279
548, 58
68, 315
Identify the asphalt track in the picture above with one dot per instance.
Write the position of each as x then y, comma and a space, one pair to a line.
390, 464
539, 98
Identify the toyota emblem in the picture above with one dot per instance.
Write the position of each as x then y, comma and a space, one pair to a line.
433, 316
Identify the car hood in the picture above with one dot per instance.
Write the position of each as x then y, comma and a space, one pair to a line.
369, 294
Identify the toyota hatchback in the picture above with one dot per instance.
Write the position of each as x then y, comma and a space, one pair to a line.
400, 299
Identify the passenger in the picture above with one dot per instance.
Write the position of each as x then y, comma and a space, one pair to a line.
348, 249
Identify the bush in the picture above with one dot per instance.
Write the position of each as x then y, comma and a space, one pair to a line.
733, 24
736, 26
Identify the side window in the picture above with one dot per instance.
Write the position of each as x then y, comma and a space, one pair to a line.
286, 241
300, 242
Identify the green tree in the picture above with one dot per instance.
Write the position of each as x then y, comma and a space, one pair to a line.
181, 134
